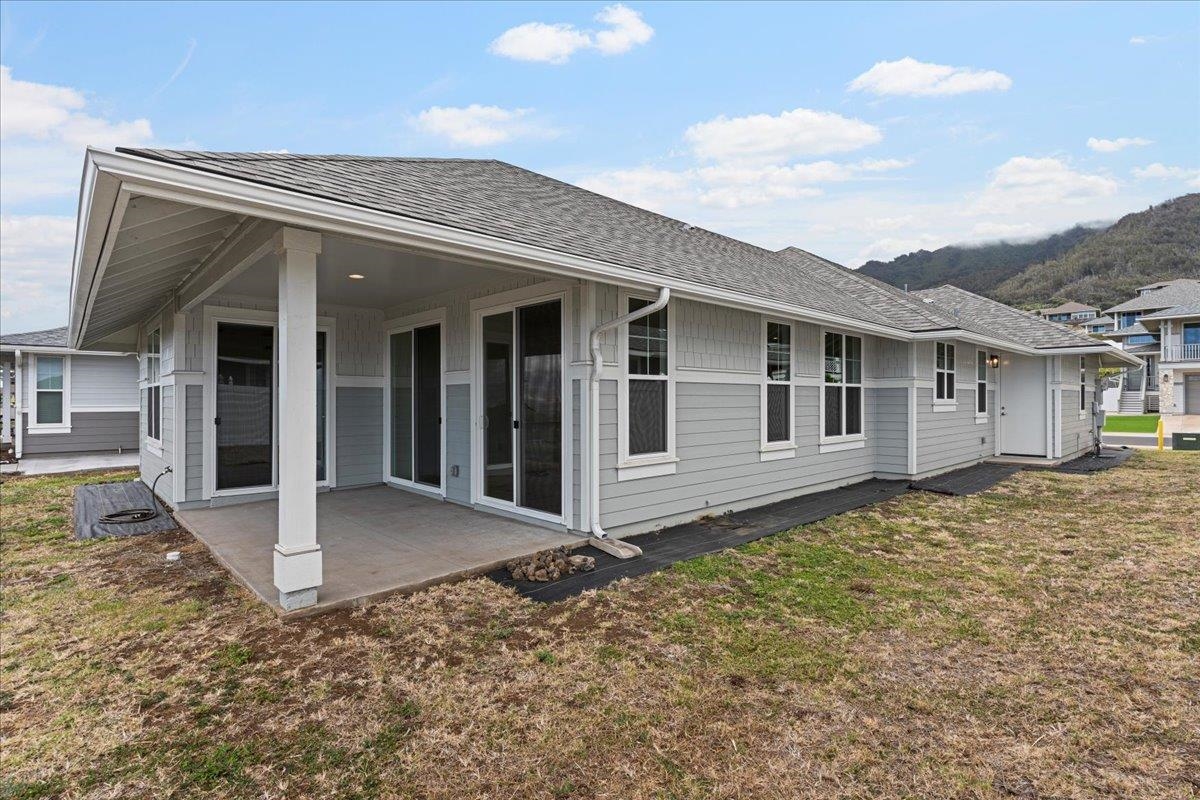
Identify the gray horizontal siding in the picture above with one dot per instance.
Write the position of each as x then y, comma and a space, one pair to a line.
888, 428
103, 381
458, 442
718, 446
90, 433
359, 435
952, 438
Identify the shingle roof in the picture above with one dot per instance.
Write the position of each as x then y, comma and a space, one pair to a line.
53, 337
1160, 284
1135, 329
1186, 310
1178, 292
990, 318
1105, 320
501, 200
1068, 308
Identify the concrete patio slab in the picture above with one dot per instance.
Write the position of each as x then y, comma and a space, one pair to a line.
79, 462
376, 541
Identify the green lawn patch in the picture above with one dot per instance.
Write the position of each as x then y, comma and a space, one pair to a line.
1131, 423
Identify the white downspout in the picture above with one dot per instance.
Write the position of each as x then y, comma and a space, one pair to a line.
664, 294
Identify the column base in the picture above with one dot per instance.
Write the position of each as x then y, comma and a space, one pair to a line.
302, 598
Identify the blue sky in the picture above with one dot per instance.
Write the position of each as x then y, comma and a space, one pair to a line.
855, 131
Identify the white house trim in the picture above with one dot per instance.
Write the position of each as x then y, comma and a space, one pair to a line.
33, 425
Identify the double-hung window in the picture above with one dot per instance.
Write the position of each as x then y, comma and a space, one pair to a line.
1082, 385
50, 401
944, 369
842, 398
153, 390
648, 412
777, 385
981, 368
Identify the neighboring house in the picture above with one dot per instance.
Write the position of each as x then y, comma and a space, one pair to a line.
59, 400
1099, 325
1161, 325
481, 334
1069, 313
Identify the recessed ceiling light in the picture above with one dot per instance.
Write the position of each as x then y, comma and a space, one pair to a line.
354, 276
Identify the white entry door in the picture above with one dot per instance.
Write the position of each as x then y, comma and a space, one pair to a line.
1023, 406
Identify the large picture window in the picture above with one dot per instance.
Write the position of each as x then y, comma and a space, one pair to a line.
648, 368
777, 383
153, 390
944, 380
981, 367
49, 404
842, 401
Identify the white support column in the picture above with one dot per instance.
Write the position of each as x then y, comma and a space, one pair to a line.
297, 553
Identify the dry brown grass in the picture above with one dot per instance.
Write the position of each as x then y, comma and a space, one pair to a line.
1040, 640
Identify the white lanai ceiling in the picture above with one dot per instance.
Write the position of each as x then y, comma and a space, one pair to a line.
390, 277
160, 242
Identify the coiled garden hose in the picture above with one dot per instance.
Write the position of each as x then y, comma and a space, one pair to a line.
130, 515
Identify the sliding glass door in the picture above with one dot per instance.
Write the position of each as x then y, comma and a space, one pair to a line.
521, 387
415, 397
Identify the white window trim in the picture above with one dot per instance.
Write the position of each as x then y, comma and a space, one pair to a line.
32, 425
631, 467
981, 357
154, 445
942, 404
849, 441
784, 448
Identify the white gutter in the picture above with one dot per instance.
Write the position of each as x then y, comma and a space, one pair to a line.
664, 295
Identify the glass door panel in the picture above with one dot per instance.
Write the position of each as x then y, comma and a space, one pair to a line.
402, 403
244, 399
498, 406
540, 397
427, 401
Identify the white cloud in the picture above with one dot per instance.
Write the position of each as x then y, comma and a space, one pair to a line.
537, 41
556, 43
626, 30
34, 281
1138, 41
912, 78
44, 130
766, 139
1024, 183
1115, 145
481, 126
1157, 171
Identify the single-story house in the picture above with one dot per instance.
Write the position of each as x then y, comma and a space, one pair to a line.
55, 399
478, 335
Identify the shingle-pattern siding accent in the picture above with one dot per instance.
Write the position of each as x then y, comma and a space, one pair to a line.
90, 432
717, 337
194, 441
359, 435
458, 442
103, 381
717, 442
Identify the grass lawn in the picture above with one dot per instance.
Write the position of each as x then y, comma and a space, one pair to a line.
1004, 645
1131, 423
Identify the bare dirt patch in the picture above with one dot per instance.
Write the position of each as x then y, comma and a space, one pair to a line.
1038, 640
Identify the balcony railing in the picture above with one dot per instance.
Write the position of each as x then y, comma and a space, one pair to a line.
1183, 352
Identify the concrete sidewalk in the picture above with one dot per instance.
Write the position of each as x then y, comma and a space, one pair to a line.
78, 462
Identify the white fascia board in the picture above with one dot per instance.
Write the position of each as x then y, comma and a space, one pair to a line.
141, 176
59, 351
